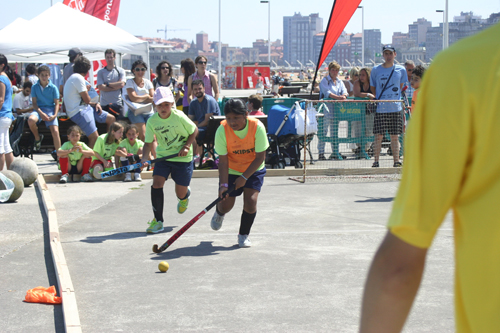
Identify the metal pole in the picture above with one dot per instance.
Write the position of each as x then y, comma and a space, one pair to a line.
269, 32
219, 75
445, 26
362, 35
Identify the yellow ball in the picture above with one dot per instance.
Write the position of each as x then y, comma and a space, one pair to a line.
163, 266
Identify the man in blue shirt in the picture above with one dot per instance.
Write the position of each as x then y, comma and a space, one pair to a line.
200, 110
333, 88
386, 82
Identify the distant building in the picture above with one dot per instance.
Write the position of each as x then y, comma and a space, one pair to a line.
418, 31
356, 49
202, 42
464, 25
398, 38
340, 52
373, 45
298, 32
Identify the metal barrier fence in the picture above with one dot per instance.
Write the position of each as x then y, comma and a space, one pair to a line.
340, 138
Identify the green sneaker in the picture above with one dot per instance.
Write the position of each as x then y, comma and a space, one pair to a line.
183, 204
154, 227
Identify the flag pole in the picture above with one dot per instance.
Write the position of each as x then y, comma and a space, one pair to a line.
321, 52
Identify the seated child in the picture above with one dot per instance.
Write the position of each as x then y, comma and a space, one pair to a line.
45, 96
416, 78
75, 153
105, 148
130, 151
254, 104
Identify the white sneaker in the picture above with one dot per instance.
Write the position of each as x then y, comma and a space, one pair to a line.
87, 178
137, 177
64, 179
244, 241
128, 177
217, 220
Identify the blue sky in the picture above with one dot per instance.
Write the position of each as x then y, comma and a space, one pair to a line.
245, 21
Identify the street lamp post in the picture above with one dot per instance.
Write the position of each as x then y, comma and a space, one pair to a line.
362, 34
268, 29
445, 27
441, 11
219, 74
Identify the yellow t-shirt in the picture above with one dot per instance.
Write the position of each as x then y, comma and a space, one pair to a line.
106, 150
171, 133
452, 161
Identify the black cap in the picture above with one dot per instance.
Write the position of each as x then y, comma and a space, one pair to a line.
74, 51
388, 47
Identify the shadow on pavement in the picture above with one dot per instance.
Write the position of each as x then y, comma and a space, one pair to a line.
376, 200
120, 236
203, 249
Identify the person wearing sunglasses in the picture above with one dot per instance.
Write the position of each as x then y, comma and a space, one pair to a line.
140, 90
209, 80
164, 78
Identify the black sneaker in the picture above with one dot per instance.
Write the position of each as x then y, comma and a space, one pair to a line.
322, 157
375, 165
398, 164
54, 155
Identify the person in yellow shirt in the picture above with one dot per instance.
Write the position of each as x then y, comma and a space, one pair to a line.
449, 164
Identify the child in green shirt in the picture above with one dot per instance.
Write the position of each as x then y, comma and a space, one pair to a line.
175, 134
130, 151
105, 148
75, 153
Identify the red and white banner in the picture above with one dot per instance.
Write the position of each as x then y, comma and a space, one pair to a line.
342, 12
106, 10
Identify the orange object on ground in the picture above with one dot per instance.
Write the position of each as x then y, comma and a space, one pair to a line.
43, 295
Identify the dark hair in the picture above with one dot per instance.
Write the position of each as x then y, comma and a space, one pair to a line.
137, 63
198, 58
43, 69
31, 69
6, 69
110, 51
419, 71
27, 84
235, 106
189, 68
197, 82
74, 128
158, 69
129, 127
82, 65
256, 101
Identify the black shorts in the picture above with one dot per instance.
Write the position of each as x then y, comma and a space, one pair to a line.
391, 122
255, 182
181, 172
115, 109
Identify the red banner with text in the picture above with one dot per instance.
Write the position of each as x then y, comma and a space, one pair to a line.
106, 10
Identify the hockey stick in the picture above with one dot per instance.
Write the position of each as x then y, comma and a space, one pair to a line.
188, 225
138, 165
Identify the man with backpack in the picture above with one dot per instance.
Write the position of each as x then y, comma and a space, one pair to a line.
386, 82
275, 80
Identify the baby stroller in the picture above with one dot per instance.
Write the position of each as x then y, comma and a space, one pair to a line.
285, 144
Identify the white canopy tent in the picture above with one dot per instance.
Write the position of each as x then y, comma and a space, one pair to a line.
49, 36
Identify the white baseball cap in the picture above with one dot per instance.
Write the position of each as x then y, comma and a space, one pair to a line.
163, 94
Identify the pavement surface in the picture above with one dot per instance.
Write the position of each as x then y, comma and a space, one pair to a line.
312, 247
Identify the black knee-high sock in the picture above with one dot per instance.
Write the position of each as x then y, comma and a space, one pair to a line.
157, 202
246, 222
